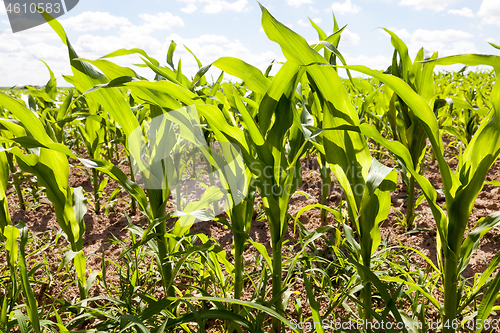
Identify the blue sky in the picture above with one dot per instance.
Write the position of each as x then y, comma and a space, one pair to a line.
216, 28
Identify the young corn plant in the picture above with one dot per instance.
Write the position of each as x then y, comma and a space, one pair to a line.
7, 129
460, 187
4, 179
93, 132
114, 101
17, 261
158, 177
366, 182
404, 124
277, 174
49, 163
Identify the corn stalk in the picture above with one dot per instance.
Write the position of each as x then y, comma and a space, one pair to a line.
460, 187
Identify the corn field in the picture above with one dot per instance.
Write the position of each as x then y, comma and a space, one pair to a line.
407, 153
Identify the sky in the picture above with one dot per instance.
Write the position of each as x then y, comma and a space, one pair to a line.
215, 28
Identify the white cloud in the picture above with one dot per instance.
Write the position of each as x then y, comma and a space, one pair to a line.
436, 5
467, 12
490, 12
2, 10
190, 8
378, 62
345, 7
161, 21
446, 42
216, 6
37, 34
422, 35
492, 40
20, 53
209, 48
302, 23
349, 38
308, 24
314, 10
297, 3
90, 21
97, 46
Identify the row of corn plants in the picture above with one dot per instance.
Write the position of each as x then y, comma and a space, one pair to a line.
243, 145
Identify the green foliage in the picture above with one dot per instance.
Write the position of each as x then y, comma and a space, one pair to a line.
255, 133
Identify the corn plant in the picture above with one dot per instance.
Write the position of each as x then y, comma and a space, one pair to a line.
43, 162
460, 188
8, 163
405, 126
17, 261
92, 132
4, 177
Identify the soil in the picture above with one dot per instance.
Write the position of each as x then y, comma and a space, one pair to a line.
103, 228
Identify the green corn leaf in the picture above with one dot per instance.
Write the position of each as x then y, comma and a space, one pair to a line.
63, 111
56, 183
383, 289
110, 69
31, 304
375, 205
278, 87
66, 260
115, 173
4, 178
11, 234
404, 156
80, 268
199, 76
27, 117
13, 127
194, 56
313, 303
488, 301
479, 284
79, 205
402, 49
192, 210
252, 76
343, 148
21, 320
427, 119
3, 314
294, 47
321, 33
471, 243
60, 325
85, 77
51, 86
170, 54
263, 251
470, 60
122, 52
212, 314
127, 321
252, 305
248, 120
494, 45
